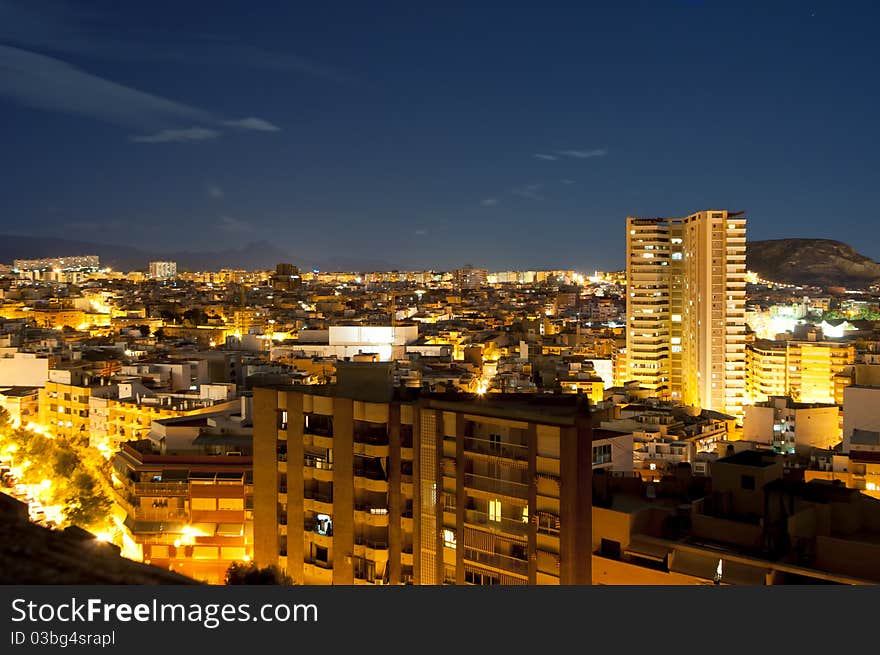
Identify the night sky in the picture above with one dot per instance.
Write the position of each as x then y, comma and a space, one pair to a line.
436, 136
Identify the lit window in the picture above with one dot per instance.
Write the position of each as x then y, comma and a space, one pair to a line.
449, 538
676, 318
494, 510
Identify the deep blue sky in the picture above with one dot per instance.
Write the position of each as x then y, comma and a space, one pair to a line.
409, 133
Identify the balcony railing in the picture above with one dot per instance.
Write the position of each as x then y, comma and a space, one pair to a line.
495, 485
320, 497
496, 448
371, 543
510, 526
161, 488
374, 436
498, 561
317, 463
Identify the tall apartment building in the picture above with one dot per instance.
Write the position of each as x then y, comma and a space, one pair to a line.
391, 488
163, 270
686, 308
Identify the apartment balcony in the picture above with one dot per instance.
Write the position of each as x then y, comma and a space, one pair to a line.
367, 434
373, 516
155, 514
496, 486
321, 474
370, 484
325, 540
374, 550
406, 558
282, 466
161, 488
519, 452
501, 525
371, 450
321, 441
282, 497
406, 524
497, 561
407, 453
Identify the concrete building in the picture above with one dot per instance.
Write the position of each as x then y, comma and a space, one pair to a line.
22, 403
163, 270
74, 262
393, 488
789, 426
686, 308
469, 277
861, 411
810, 372
19, 369
190, 513
341, 341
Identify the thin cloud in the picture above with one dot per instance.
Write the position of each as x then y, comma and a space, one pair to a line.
421, 233
253, 123
187, 135
232, 224
489, 202
539, 155
43, 82
83, 31
583, 154
214, 191
566, 181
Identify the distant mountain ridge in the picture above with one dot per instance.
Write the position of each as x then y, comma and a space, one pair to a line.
257, 255
811, 262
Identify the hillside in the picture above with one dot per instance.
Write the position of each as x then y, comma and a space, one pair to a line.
813, 262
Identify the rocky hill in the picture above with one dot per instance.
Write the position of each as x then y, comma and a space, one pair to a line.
813, 262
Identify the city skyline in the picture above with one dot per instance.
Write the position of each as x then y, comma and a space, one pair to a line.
435, 139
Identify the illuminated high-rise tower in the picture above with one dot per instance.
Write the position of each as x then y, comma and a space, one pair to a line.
686, 308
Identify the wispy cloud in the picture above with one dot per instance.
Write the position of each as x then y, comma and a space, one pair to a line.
583, 154
83, 31
566, 181
489, 202
528, 191
178, 136
232, 224
421, 233
214, 191
253, 123
42, 82
539, 155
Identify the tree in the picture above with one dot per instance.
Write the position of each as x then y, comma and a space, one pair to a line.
87, 504
143, 329
240, 573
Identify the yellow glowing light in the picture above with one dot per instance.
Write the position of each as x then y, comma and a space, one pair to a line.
246, 558
104, 536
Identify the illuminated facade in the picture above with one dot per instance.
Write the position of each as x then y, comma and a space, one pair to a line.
686, 308
190, 514
808, 371
391, 489
163, 270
